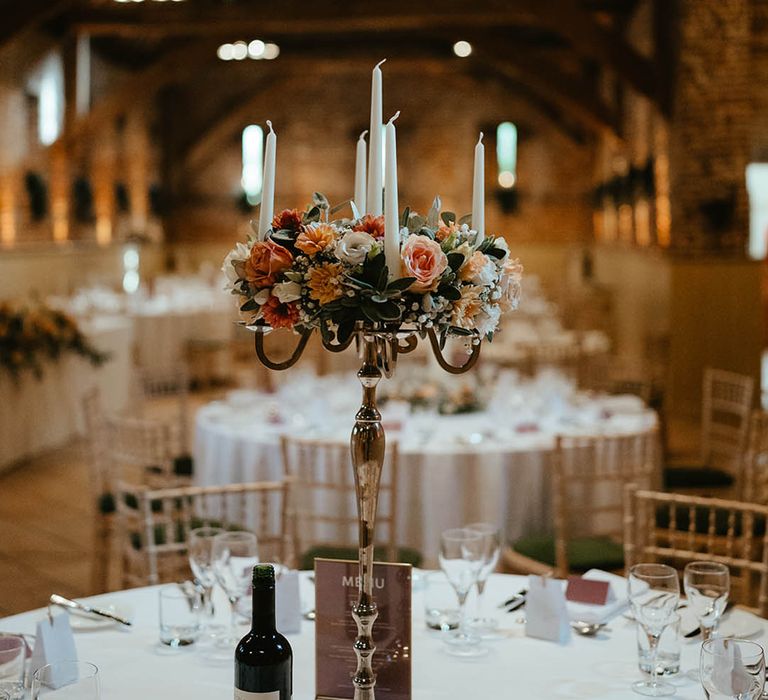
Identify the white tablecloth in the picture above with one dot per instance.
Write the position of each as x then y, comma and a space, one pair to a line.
40, 414
453, 469
133, 665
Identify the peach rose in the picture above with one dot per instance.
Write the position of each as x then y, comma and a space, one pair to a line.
423, 259
266, 261
315, 238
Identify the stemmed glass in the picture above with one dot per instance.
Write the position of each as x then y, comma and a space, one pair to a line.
461, 557
654, 594
234, 555
491, 551
200, 551
707, 585
732, 668
66, 679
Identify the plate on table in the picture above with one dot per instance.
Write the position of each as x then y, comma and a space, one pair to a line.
81, 621
740, 624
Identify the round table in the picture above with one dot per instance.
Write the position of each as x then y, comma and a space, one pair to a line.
132, 664
454, 469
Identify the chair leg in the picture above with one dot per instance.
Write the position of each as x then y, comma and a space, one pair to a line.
101, 555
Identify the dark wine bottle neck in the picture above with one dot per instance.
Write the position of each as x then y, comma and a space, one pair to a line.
263, 619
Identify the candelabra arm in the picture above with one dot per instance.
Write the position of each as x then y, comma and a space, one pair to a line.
447, 366
291, 361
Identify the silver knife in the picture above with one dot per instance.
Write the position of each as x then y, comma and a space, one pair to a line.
74, 605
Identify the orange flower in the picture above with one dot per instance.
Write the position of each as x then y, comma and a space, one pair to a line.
373, 225
266, 261
444, 232
423, 259
472, 266
280, 315
287, 219
467, 308
315, 238
324, 282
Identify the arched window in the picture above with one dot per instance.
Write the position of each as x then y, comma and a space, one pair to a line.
253, 162
506, 154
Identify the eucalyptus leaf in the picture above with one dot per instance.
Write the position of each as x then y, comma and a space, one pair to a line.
355, 212
370, 309
448, 217
455, 261
415, 222
449, 292
400, 285
405, 216
345, 330
249, 305
466, 219
320, 200
389, 311
434, 212
312, 215
339, 207
456, 330
495, 253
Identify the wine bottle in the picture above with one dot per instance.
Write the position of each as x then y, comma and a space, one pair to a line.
263, 658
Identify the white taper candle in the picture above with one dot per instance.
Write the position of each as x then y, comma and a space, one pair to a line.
267, 208
360, 183
478, 191
391, 212
374, 145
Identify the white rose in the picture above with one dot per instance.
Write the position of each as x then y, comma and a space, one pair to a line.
354, 246
287, 291
239, 253
487, 320
487, 275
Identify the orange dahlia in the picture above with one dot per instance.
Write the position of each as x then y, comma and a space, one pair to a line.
324, 282
279, 315
315, 238
373, 225
287, 219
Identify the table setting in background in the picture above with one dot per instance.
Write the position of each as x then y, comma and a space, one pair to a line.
484, 464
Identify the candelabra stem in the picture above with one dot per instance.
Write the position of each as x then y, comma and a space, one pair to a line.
367, 446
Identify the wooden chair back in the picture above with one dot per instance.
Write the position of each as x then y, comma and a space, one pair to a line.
324, 503
154, 524
677, 529
754, 469
588, 479
727, 402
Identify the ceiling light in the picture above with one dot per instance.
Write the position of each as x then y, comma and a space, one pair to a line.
462, 49
506, 179
271, 51
239, 50
226, 52
256, 48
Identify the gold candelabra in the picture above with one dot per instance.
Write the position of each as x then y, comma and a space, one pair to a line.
379, 345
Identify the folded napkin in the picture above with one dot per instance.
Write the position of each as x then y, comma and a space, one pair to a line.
598, 614
728, 673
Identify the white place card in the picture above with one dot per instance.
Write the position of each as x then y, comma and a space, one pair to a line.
288, 603
54, 642
546, 614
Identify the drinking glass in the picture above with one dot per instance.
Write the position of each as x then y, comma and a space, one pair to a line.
440, 609
13, 652
234, 554
707, 584
461, 557
667, 653
491, 551
732, 668
179, 615
78, 680
654, 594
200, 549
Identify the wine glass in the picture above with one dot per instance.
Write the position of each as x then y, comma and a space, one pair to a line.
732, 668
234, 555
66, 679
491, 551
654, 594
200, 552
461, 557
707, 584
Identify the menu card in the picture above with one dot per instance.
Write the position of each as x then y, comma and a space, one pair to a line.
335, 630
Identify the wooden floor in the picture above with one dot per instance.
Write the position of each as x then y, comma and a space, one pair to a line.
46, 523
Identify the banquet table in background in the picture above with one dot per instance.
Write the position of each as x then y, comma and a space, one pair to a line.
133, 665
40, 414
454, 469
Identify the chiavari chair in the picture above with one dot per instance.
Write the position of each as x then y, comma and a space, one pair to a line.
587, 485
753, 482
678, 528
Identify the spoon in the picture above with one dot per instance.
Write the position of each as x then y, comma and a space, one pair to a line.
586, 629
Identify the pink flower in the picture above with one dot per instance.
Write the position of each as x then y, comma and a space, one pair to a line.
423, 259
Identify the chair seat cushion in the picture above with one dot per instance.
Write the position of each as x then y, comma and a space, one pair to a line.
583, 553
696, 476
405, 555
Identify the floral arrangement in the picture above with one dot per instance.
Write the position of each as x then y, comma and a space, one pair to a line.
31, 335
435, 394
313, 273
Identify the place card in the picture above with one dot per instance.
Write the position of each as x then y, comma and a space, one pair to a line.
288, 603
335, 630
546, 615
54, 642
584, 590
